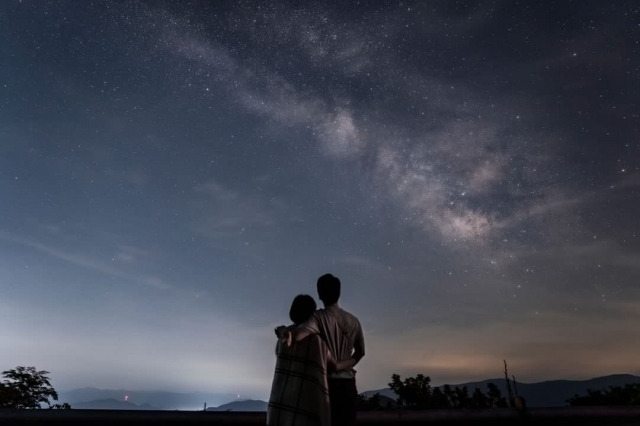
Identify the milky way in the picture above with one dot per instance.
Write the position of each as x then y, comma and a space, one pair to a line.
174, 174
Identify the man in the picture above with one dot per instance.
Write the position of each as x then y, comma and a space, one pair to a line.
343, 334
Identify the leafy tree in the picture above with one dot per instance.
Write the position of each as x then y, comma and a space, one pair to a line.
615, 395
414, 392
25, 387
375, 402
462, 397
439, 399
496, 400
479, 400
63, 406
368, 404
450, 394
7, 396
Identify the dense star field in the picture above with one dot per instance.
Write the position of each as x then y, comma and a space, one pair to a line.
174, 173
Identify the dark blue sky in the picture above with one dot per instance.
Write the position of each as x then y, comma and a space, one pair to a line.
174, 173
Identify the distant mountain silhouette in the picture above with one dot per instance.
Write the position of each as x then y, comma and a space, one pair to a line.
385, 392
552, 393
110, 404
159, 400
384, 402
245, 405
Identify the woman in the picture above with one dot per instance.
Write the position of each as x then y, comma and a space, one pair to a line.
299, 393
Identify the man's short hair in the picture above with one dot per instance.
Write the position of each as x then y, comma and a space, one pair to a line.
329, 289
302, 307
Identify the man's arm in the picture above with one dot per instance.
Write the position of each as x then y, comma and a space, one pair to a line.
334, 365
299, 332
358, 346
294, 335
357, 354
346, 364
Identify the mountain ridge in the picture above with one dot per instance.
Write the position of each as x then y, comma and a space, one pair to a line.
86, 397
548, 393
244, 406
111, 404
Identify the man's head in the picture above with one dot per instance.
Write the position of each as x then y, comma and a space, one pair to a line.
302, 308
328, 289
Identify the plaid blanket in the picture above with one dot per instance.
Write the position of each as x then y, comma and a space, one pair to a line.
299, 393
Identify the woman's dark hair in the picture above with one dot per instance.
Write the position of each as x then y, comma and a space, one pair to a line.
302, 307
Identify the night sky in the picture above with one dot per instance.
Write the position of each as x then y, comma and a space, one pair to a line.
173, 173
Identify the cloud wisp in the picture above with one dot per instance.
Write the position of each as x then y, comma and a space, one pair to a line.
123, 255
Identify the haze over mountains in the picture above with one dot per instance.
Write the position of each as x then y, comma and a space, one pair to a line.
123, 399
553, 393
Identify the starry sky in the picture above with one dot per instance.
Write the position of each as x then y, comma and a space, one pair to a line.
172, 174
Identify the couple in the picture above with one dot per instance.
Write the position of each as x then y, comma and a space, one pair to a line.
314, 382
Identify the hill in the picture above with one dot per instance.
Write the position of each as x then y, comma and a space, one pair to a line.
159, 400
245, 405
552, 393
111, 404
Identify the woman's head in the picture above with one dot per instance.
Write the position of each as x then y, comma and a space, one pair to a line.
302, 308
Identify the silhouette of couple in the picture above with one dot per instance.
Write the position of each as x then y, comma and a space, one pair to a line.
314, 381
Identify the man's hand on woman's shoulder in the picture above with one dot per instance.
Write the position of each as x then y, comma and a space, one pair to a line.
284, 334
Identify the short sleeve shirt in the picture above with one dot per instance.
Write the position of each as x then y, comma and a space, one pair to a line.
341, 331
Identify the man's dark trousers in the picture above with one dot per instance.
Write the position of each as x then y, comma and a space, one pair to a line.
343, 396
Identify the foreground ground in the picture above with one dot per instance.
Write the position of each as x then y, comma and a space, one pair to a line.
583, 416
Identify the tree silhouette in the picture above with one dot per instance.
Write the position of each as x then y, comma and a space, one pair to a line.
450, 395
413, 392
462, 397
496, 400
369, 404
615, 395
439, 399
479, 400
417, 393
26, 387
375, 402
